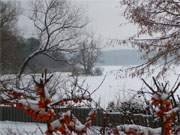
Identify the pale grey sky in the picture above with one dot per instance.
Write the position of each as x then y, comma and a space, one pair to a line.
105, 17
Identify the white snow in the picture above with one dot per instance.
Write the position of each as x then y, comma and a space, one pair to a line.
145, 130
7, 127
30, 128
68, 113
117, 85
164, 96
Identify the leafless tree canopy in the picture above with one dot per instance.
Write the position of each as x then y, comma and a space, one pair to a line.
160, 21
58, 23
8, 15
88, 53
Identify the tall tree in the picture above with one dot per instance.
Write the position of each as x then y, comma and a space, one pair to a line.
159, 20
8, 16
88, 53
58, 24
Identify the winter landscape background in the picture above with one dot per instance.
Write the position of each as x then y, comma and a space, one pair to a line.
123, 61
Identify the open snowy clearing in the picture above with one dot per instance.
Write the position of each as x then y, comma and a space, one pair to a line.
116, 84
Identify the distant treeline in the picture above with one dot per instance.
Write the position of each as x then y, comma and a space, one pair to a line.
15, 51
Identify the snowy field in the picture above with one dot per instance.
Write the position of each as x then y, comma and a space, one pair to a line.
116, 84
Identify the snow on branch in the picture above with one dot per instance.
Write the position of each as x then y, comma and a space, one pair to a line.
41, 107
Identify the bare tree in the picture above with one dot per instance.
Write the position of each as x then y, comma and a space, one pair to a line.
58, 23
88, 54
160, 22
8, 16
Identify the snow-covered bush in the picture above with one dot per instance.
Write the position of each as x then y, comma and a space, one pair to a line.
131, 108
98, 71
77, 70
127, 107
37, 102
162, 105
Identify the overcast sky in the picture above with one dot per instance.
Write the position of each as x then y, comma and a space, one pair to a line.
105, 17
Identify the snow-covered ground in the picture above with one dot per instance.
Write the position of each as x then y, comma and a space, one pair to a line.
8, 127
22, 128
117, 85
29, 128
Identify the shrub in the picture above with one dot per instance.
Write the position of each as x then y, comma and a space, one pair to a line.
98, 71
